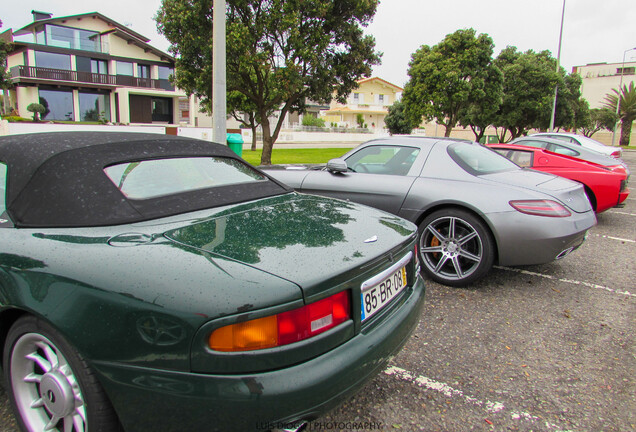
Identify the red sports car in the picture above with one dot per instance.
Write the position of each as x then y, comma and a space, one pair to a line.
606, 186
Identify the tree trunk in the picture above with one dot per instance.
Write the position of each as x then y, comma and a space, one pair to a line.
626, 132
268, 143
449, 129
253, 138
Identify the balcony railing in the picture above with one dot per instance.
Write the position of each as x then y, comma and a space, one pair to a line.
88, 77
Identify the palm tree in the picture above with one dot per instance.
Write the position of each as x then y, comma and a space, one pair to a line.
626, 111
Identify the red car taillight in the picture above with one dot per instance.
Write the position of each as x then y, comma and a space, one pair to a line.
546, 208
284, 328
616, 154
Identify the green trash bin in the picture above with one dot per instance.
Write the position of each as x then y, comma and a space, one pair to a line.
235, 143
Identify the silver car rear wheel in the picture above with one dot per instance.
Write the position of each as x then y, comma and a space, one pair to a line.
456, 248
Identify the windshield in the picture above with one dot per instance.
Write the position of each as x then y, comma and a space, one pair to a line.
160, 177
479, 160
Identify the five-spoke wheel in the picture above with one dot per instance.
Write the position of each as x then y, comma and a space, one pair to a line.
456, 248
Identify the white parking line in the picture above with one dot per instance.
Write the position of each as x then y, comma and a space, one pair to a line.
573, 282
615, 238
620, 212
448, 391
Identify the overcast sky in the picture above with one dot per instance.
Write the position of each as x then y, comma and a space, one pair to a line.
594, 31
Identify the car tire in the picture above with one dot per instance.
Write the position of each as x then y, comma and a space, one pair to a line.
590, 196
50, 385
456, 247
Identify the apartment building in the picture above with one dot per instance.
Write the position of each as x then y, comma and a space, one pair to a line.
88, 67
598, 79
371, 99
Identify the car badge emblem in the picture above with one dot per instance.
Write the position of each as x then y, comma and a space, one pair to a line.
372, 239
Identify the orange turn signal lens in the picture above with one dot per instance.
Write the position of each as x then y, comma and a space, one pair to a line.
250, 335
283, 328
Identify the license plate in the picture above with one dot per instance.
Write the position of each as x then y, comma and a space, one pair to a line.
376, 296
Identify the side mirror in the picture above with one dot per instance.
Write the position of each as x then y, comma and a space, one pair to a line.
337, 166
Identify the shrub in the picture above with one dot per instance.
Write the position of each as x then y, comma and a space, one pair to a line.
36, 109
313, 121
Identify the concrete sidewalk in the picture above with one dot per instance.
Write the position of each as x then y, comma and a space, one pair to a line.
259, 145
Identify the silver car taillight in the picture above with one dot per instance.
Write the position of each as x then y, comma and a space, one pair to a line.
546, 208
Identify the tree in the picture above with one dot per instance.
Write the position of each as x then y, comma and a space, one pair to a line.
528, 87
445, 78
599, 118
36, 109
360, 120
626, 101
280, 53
483, 106
571, 110
243, 111
396, 121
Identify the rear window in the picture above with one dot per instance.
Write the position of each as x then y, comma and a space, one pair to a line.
479, 160
161, 177
562, 150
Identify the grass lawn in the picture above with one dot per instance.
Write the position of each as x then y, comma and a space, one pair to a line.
296, 156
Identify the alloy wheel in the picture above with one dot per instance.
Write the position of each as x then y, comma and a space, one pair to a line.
451, 248
46, 391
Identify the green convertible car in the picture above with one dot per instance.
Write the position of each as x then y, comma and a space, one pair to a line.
158, 283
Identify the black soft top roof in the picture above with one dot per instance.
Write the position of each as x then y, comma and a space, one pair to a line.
57, 179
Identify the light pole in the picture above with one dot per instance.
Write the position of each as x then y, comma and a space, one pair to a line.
618, 96
219, 104
556, 89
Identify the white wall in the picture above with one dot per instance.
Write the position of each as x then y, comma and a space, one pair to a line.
7, 128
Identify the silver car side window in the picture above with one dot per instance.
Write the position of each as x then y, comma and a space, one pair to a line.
388, 160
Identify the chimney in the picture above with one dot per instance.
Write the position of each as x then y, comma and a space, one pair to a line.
37, 15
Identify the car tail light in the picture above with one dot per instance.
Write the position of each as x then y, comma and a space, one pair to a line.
283, 328
616, 154
547, 208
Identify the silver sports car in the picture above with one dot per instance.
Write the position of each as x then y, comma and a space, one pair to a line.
473, 206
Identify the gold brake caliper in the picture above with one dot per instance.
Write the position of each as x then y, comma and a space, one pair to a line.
434, 243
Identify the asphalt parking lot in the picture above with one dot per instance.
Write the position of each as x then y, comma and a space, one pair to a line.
541, 348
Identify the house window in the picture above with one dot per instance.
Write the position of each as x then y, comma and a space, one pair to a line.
381, 99
356, 98
87, 64
143, 71
52, 60
58, 104
124, 68
99, 66
68, 37
162, 110
164, 74
626, 71
94, 106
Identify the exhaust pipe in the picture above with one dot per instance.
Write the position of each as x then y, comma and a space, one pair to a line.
564, 253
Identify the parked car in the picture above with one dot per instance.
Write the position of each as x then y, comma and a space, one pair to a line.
473, 206
606, 187
583, 141
151, 282
570, 149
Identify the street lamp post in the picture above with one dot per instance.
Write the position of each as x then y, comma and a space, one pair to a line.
618, 96
219, 107
556, 89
